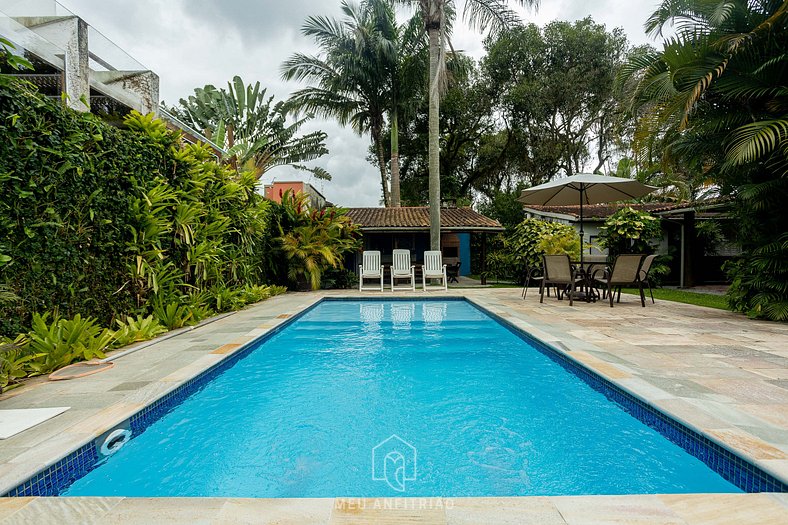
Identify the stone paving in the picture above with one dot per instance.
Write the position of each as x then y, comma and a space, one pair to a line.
717, 372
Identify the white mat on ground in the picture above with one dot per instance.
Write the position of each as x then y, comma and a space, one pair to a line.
14, 421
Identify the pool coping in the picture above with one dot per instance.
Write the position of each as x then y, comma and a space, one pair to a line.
652, 509
231, 355
673, 420
124, 419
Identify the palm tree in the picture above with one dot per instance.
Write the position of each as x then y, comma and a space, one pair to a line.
717, 85
406, 64
715, 97
492, 15
351, 77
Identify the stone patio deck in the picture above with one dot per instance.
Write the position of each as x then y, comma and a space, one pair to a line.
715, 371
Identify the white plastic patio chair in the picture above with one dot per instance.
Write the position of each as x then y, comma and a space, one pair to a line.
370, 269
433, 269
402, 269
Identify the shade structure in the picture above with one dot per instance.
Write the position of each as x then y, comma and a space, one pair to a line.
584, 188
594, 189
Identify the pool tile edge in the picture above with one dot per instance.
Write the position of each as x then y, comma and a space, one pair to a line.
509, 320
19, 483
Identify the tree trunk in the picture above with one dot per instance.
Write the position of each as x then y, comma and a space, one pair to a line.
376, 139
434, 138
395, 196
230, 144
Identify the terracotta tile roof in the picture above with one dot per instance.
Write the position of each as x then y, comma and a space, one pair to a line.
418, 218
603, 211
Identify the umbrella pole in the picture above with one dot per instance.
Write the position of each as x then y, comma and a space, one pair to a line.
582, 234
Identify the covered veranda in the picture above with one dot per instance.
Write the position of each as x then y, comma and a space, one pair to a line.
408, 228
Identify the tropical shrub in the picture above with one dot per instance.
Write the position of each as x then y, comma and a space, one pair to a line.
255, 294
51, 345
317, 240
759, 285
563, 242
630, 231
105, 225
500, 265
15, 361
338, 279
134, 330
107, 222
308, 251
65, 341
174, 315
224, 299
713, 99
524, 246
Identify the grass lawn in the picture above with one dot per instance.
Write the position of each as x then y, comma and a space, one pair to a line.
683, 296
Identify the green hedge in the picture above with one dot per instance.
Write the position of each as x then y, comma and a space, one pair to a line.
105, 221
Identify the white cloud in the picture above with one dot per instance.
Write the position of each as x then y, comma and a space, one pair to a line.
190, 43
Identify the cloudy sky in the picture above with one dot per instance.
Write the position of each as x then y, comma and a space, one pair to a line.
190, 43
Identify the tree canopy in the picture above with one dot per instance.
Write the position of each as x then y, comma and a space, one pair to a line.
714, 98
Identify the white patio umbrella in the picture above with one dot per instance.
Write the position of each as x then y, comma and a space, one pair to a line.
584, 188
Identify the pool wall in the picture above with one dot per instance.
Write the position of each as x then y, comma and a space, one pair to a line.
52, 480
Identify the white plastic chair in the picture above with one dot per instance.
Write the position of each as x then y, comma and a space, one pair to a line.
433, 269
370, 269
402, 269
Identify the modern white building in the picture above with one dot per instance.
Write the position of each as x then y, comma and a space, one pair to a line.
72, 57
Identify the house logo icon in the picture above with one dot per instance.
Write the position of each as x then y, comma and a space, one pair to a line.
394, 461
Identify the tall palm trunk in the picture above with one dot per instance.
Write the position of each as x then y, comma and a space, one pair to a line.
433, 29
395, 196
381, 153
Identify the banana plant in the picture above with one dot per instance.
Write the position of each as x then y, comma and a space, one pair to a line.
252, 128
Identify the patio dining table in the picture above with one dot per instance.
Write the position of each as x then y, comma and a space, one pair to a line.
586, 269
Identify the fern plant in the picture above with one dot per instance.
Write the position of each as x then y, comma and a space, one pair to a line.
760, 282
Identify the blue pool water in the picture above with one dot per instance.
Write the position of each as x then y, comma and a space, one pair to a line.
487, 415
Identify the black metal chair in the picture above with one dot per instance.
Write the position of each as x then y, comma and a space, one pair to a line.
533, 273
453, 272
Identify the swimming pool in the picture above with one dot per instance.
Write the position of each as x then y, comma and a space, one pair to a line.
397, 398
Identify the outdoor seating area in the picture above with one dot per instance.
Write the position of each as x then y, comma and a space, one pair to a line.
433, 269
592, 279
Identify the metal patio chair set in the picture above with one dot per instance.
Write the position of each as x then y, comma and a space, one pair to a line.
590, 283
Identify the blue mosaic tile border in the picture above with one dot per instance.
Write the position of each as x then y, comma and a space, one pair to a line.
730, 466
62, 474
53, 480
